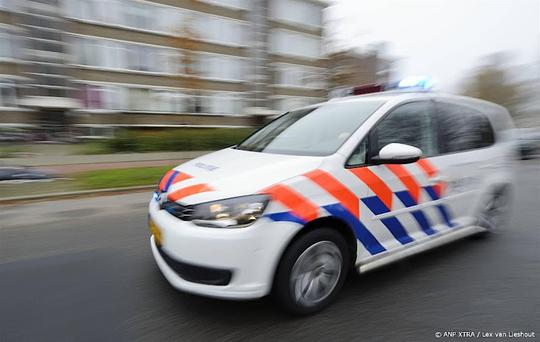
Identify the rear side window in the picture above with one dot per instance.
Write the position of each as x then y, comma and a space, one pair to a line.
462, 128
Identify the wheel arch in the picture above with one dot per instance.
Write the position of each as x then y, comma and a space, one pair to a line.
331, 222
494, 189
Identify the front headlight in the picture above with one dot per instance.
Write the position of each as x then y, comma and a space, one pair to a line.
229, 213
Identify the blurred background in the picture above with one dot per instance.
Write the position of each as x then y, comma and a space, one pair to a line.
87, 77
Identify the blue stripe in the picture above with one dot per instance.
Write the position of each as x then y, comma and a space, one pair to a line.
394, 226
406, 198
375, 205
286, 216
418, 215
362, 233
171, 179
442, 208
431, 192
423, 222
445, 215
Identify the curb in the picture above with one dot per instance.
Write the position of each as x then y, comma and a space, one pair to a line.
74, 194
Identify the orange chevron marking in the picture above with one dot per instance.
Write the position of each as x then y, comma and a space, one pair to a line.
430, 170
377, 185
299, 205
188, 191
407, 179
335, 188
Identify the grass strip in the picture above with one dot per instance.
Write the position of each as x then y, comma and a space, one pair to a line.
117, 178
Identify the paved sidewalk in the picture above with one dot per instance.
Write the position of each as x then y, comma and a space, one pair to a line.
57, 160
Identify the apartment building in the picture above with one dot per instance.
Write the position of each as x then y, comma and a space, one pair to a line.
298, 70
349, 68
101, 63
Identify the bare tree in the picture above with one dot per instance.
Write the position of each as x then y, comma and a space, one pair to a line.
492, 82
187, 40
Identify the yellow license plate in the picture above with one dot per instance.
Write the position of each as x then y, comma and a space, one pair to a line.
154, 229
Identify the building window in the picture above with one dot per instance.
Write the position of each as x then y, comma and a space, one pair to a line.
156, 100
171, 20
91, 97
222, 30
240, 4
141, 16
107, 11
8, 94
102, 97
224, 103
118, 55
154, 17
296, 11
8, 4
219, 66
299, 76
7, 44
286, 42
287, 103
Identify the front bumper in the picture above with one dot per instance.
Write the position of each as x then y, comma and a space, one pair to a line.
250, 254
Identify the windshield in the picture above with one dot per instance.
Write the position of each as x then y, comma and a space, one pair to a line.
315, 131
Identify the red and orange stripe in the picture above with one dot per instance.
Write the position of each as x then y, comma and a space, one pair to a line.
300, 206
335, 188
377, 185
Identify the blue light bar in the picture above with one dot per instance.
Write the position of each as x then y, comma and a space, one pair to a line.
418, 82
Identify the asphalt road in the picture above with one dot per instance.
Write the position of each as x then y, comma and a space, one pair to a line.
82, 270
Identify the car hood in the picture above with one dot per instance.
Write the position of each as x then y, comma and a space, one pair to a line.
232, 172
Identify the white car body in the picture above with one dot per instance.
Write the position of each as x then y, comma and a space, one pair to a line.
392, 211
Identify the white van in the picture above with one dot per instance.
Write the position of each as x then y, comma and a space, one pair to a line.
351, 183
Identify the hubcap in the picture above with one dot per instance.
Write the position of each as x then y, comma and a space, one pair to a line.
316, 273
494, 214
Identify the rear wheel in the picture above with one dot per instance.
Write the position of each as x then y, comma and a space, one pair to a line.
312, 271
495, 211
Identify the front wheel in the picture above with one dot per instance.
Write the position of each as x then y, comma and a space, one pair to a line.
312, 271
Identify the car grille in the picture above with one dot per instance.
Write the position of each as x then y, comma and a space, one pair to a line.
183, 212
197, 274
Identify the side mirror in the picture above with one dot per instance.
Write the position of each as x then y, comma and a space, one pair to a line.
395, 153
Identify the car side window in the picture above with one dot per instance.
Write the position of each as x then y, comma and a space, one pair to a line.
359, 156
462, 128
411, 124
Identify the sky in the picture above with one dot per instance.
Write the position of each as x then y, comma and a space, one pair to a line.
444, 39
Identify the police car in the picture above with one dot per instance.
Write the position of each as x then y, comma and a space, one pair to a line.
353, 183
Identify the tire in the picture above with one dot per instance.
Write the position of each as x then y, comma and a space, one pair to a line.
495, 213
311, 272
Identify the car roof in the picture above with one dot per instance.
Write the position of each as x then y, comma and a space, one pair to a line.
398, 96
403, 95
497, 114
382, 96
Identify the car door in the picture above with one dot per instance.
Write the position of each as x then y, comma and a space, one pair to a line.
400, 206
465, 139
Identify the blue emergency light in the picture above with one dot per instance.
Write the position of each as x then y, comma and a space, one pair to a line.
417, 82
